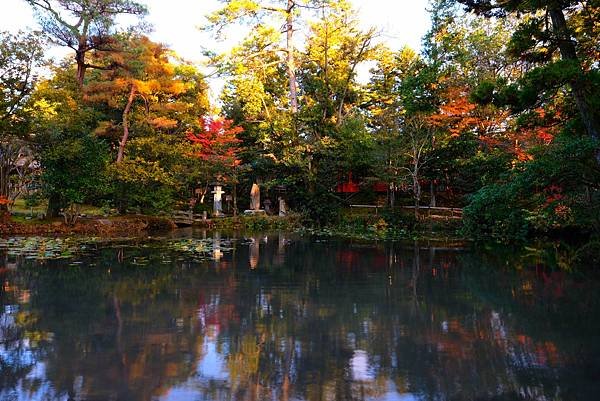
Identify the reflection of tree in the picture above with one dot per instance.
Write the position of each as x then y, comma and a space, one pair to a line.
110, 326
330, 321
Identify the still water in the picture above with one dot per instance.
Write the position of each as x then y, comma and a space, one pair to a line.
279, 317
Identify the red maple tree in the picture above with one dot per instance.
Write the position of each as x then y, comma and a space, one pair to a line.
218, 142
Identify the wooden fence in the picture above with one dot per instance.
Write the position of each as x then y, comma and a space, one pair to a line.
445, 213
188, 218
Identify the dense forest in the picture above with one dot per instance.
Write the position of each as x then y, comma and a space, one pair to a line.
498, 114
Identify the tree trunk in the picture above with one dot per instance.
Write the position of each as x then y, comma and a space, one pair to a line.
235, 209
80, 60
291, 65
53, 209
123, 141
578, 86
417, 192
312, 177
432, 202
4, 173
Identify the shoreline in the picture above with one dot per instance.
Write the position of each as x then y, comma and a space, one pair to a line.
103, 227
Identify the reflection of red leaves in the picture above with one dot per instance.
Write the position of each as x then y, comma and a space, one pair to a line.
4, 201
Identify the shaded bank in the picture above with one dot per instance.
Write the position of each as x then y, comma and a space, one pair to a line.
109, 227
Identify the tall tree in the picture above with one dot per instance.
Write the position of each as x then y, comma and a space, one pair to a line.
146, 77
73, 160
335, 48
83, 25
395, 84
546, 29
20, 56
259, 12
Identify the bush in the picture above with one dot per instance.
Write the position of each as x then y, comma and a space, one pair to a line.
321, 209
141, 186
399, 218
74, 171
557, 190
493, 212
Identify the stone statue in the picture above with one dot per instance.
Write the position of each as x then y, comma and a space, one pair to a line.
255, 197
267, 204
282, 207
218, 200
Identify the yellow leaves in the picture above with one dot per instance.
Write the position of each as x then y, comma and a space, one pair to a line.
44, 108
177, 87
237, 7
163, 123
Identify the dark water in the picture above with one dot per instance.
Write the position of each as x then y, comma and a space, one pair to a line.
284, 318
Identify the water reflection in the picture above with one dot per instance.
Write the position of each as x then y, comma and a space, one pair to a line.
282, 318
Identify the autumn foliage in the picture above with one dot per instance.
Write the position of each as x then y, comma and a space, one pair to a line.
218, 141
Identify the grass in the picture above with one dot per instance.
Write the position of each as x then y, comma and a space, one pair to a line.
19, 209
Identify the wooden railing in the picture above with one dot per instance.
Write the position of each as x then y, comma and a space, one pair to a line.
448, 213
183, 217
432, 211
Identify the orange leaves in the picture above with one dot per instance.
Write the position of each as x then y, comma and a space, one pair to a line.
456, 115
545, 136
540, 130
144, 66
494, 127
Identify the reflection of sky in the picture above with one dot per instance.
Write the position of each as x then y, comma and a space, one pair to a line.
211, 367
24, 357
363, 372
360, 367
393, 396
33, 387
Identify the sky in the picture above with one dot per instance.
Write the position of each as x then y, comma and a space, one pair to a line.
175, 22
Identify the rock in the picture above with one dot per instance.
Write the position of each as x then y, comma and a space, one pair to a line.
251, 212
105, 222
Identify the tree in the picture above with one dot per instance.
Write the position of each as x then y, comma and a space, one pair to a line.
73, 160
73, 172
217, 146
146, 76
83, 25
257, 11
329, 122
417, 142
20, 56
546, 29
334, 50
255, 97
399, 100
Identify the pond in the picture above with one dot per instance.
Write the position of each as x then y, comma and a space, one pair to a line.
282, 317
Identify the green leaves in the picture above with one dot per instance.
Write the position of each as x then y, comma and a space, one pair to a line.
74, 168
21, 55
